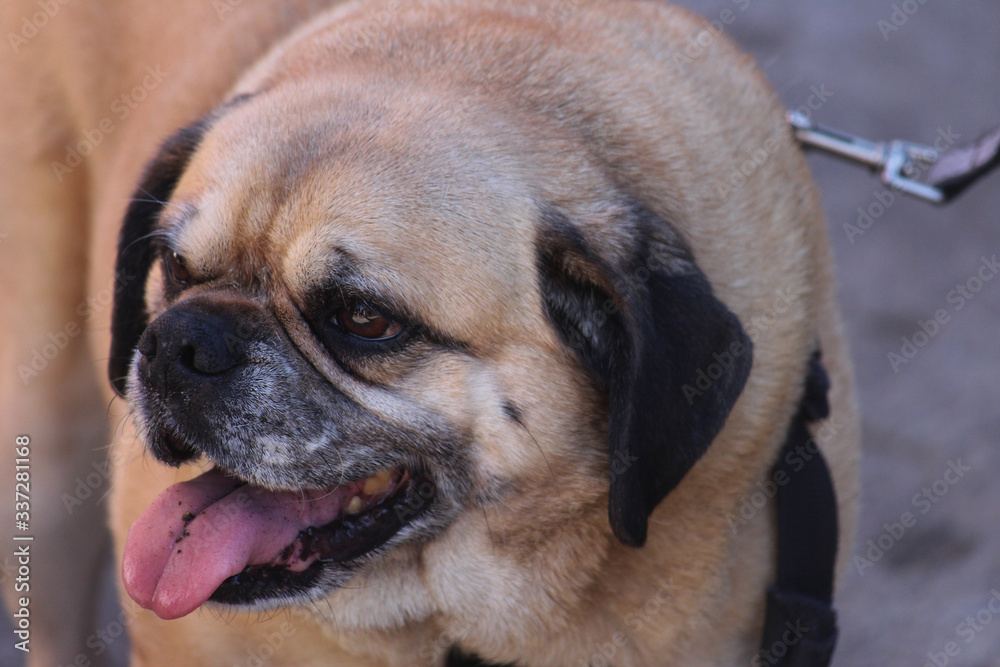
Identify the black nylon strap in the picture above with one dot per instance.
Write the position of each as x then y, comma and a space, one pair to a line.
800, 628
960, 167
458, 658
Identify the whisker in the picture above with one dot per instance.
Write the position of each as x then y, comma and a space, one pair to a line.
489, 530
539, 447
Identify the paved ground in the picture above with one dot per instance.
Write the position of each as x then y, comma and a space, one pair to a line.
939, 71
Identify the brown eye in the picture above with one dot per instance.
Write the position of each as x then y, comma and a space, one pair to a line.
365, 322
177, 271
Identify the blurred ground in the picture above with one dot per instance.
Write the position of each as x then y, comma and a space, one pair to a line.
930, 591
940, 70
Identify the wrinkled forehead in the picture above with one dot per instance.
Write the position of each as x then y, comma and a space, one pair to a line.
315, 187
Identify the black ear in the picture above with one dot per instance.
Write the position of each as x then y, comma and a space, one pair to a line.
135, 251
671, 356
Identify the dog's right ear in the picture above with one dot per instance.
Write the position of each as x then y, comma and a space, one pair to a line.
135, 250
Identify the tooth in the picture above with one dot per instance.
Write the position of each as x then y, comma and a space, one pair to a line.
356, 505
377, 483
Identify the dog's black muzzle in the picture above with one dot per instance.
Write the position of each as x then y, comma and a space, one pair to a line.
191, 356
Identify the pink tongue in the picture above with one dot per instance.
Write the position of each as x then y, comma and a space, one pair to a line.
234, 526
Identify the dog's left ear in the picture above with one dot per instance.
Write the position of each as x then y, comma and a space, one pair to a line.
135, 249
671, 356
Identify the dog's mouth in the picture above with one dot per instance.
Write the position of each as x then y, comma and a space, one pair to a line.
218, 538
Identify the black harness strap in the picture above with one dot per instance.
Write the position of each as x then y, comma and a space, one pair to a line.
800, 627
458, 658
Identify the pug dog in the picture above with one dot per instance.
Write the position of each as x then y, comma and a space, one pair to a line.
457, 331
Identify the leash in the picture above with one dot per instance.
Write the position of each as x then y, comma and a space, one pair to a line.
901, 164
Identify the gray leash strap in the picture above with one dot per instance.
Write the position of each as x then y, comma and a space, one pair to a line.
959, 168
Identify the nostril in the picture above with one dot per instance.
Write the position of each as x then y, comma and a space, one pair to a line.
187, 357
207, 357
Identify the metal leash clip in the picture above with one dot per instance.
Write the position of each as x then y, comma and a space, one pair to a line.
898, 162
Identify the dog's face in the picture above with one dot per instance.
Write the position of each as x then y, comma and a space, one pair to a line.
414, 337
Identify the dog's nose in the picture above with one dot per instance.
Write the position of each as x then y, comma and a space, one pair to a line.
190, 355
186, 346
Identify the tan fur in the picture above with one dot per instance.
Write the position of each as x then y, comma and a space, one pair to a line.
523, 576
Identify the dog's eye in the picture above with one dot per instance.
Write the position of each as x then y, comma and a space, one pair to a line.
365, 322
177, 271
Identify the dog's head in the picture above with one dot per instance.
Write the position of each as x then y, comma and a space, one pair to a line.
403, 327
